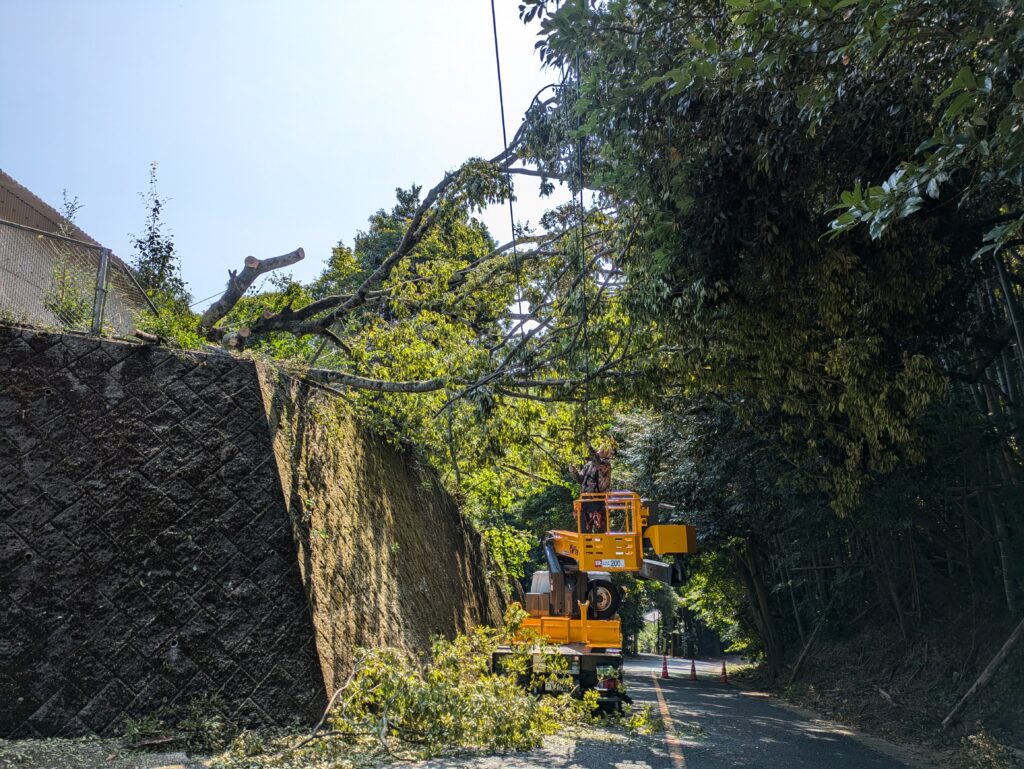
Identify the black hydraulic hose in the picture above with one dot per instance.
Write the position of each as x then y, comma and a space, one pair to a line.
554, 566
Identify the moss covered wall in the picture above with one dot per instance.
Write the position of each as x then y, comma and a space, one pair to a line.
384, 554
180, 526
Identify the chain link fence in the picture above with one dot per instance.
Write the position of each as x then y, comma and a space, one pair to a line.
58, 282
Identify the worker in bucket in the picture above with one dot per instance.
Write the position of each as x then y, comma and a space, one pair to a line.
595, 477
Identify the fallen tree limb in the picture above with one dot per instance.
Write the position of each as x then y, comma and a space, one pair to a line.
377, 385
419, 224
238, 284
325, 375
235, 340
146, 337
150, 742
330, 706
986, 674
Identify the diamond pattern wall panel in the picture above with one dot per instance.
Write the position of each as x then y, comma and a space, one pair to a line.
146, 554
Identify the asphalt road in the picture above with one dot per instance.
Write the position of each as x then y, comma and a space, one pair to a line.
709, 726
718, 726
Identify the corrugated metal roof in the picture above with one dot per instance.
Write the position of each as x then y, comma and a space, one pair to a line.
20, 205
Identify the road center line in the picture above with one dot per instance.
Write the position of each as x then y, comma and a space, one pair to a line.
670, 732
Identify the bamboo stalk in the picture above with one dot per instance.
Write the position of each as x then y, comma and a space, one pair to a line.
986, 674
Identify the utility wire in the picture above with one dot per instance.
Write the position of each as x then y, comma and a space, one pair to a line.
508, 176
504, 141
204, 299
583, 258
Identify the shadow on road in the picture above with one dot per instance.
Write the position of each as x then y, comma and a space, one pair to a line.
719, 725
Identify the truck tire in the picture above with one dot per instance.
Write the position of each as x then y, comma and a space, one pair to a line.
604, 597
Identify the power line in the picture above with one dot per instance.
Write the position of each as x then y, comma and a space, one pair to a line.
504, 140
508, 176
204, 299
580, 233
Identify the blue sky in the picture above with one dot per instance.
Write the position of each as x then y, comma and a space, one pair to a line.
275, 124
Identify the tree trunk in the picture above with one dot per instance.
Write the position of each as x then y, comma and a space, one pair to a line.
1005, 465
1012, 310
888, 586
796, 611
814, 634
986, 674
760, 605
1005, 562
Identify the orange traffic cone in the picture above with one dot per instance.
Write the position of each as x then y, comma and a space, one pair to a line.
693, 670
664, 666
724, 678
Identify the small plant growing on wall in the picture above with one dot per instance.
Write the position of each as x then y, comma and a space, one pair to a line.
69, 296
158, 267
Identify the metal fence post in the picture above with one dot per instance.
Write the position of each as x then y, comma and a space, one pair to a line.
101, 291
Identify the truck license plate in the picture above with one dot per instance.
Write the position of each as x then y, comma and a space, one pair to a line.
611, 563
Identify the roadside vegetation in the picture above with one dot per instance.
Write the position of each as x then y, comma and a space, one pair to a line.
395, 709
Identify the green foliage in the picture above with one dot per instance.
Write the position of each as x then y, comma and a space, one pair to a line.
717, 133
521, 520
386, 229
441, 314
70, 294
158, 269
248, 744
981, 750
137, 730
648, 640
284, 291
726, 476
643, 596
510, 548
157, 265
12, 318
205, 727
971, 99
714, 593
452, 702
641, 720
492, 448
340, 275
174, 322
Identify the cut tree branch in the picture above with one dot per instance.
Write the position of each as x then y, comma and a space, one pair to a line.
377, 385
422, 219
238, 284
